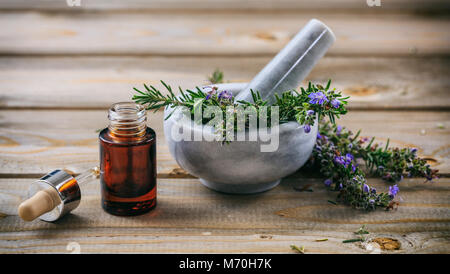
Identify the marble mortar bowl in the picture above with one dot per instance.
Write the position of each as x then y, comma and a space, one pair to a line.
239, 167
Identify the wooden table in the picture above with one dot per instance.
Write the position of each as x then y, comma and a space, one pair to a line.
61, 67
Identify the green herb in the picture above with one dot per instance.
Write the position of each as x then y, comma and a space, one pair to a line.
362, 230
154, 99
304, 107
353, 240
300, 249
216, 77
335, 156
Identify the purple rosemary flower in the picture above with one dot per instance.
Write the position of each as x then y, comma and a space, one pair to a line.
211, 92
341, 186
373, 190
338, 130
339, 160
328, 182
307, 128
350, 146
344, 160
413, 150
349, 157
335, 103
310, 112
393, 190
366, 188
225, 95
319, 136
371, 201
317, 98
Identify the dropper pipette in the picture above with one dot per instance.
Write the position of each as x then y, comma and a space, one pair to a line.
55, 194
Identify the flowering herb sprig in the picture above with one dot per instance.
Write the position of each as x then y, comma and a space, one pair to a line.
389, 163
342, 171
335, 155
304, 106
154, 99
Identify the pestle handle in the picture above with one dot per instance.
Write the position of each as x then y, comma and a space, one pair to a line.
292, 64
40, 203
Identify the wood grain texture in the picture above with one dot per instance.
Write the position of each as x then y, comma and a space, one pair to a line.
217, 5
35, 142
192, 218
61, 67
96, 82
202, 33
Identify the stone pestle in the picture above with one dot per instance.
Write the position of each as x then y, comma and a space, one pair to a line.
292, 64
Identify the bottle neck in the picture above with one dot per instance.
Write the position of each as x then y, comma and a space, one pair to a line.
127, 120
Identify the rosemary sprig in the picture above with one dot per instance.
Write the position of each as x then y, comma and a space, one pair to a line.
216, 77
362, 230
389, 163
335, 156
154, 99
353, 240
303, 107
300, 249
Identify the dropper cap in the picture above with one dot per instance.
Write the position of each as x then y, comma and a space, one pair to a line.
54, 195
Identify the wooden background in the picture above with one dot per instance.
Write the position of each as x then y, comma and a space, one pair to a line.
61, 67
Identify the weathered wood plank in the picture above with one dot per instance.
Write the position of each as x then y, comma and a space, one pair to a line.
217, 5
192, 218
203, 33
96, 82
144, 240
35, 142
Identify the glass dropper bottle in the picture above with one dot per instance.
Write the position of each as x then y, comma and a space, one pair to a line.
128, 161
55, 194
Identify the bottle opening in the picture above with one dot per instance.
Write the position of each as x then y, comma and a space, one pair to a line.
127, 119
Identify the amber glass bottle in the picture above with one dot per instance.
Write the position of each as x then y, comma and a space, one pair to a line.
128, 161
